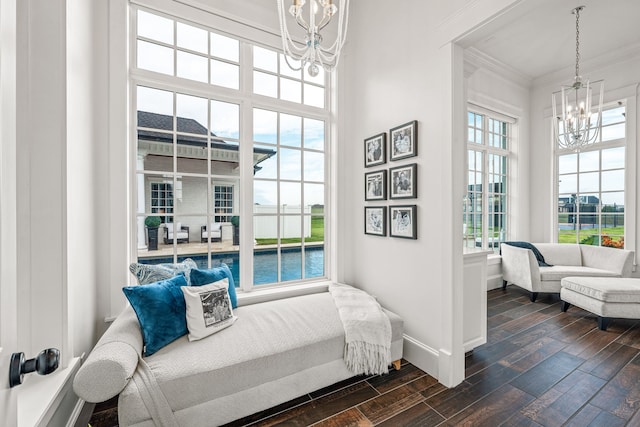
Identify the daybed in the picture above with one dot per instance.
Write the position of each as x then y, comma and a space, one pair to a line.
521, 267
180, 232
274, 352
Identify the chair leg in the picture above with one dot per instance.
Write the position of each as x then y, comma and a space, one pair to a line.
504, 285
564, 306
534, 296
603, 322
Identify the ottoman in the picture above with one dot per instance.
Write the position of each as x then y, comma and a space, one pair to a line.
606, 297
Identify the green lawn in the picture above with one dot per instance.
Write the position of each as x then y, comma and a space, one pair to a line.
569, 236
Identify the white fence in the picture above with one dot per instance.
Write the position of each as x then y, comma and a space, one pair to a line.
265, 222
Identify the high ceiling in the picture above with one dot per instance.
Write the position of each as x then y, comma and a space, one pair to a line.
537, 37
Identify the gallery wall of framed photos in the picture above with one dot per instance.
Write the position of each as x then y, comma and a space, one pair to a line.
392, 182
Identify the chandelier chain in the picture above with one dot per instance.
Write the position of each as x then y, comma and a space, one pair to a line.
578, 42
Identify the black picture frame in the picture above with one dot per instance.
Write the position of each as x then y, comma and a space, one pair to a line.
403, 141
403, 182
403, 222
375, 220
375, 185
375, 150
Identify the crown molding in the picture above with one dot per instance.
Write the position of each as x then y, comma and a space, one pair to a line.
476, 59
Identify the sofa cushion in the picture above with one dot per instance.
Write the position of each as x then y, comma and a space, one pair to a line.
560, 254
558, 272
201, 277
624, 290
161, 311
151, 273
208, 309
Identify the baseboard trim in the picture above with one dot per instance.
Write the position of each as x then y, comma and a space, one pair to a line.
494, 282
421, 355
75, 414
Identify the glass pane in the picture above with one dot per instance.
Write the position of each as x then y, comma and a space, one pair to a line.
265, 196
267, 163
286, 70
313, 197
614, 115
290, 195
265, 126
265, 59
155, 27
589, 161
568, 183
291, 268
313, 166
290, 164
613, 132
588, 182
613, 180
567, 235
290, 130
613, 202
225, 47
265, 262
613, 158
192, 38
154, 57
193, 67
313, 96
478, 137
224, 74
192, 114
470, 135
290, 90
155, 101
265, 84
471, 117
314, 256
568, 163
225, 119
290, 224
314, 134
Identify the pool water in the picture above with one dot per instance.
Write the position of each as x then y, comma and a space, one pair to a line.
265, 263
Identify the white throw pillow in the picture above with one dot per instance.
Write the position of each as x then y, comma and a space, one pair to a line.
208, 308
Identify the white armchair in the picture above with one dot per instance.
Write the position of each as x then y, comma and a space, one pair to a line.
177, 231
214, 231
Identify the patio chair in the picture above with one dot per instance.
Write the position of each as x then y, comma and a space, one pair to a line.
181, 235
215, 232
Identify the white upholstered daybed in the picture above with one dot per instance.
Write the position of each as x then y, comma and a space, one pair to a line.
276, 351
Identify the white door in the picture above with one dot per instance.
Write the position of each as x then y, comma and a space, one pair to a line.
8, 260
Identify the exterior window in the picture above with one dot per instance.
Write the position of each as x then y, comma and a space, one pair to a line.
223, 203
591, 187
196, 95
162, 200
486, 203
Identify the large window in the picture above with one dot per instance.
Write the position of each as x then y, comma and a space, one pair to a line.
591, 187
486, 203
228, 135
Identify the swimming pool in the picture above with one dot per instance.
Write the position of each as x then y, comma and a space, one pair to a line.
265, 263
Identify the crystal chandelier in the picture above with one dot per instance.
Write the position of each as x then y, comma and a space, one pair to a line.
313, 53
578, 123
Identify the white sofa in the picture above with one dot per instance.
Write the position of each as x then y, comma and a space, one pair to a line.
520, 266
275, 351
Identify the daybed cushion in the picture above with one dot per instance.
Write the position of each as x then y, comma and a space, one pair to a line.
623, 290
150, 273
255, 364
161, 311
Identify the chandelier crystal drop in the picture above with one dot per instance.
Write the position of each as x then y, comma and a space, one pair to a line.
577, 124
313, 53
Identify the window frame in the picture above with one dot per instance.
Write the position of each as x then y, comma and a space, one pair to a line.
247, 100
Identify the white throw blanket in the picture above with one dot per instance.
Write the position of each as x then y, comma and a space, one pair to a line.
152, 397
367, 330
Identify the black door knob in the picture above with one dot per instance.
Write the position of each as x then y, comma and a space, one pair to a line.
44, 363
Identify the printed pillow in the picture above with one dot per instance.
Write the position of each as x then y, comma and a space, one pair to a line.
151, 273
208, 309
161, 311
205, 277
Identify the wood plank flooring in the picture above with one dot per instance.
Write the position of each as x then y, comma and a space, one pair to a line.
540, 367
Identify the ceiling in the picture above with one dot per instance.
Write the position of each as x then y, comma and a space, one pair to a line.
537, 37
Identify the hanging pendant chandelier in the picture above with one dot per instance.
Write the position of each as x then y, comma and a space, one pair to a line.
313, 53
578, 122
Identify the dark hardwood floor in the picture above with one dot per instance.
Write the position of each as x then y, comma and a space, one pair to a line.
540, 367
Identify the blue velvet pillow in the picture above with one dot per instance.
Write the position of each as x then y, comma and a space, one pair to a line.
204, 277
161, 311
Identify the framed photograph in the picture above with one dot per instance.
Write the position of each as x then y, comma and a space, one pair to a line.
403, 182
375, 185
375, 150
404, 141
402, 222
375, 220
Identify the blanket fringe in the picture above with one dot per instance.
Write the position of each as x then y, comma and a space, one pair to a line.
366, 358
